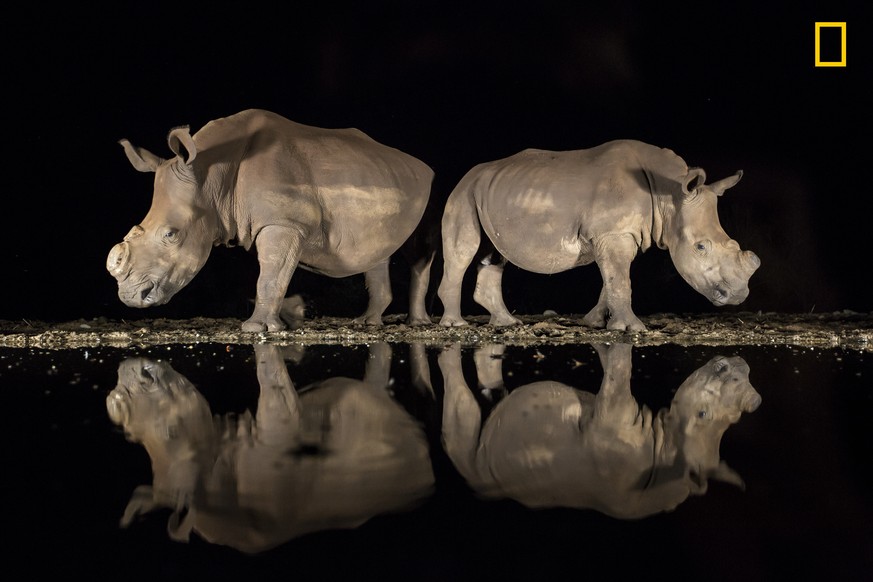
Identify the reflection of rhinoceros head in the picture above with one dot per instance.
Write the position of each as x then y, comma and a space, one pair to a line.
705, 405
160, 409
163, 253
706, 257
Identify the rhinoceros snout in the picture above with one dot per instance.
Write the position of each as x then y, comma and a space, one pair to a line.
118, 260
752, 402
750, 260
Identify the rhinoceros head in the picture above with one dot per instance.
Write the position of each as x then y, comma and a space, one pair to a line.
705, 405
706, 257
161, 255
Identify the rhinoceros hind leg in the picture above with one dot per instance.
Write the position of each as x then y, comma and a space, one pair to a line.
489, 293
461, 237
379, 288
420, 272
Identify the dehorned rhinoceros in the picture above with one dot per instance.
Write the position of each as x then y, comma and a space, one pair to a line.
332, 201
548, 212
547, 444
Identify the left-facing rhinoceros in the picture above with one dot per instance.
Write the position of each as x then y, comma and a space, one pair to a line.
332, 201
548, 212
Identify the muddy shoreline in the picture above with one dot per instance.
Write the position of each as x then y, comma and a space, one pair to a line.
846, 329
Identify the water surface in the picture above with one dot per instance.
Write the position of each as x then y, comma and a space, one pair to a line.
213, 461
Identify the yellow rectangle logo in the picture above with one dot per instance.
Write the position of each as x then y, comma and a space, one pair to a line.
818, 61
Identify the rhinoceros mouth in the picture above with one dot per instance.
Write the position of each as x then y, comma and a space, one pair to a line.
720, 294
145, 294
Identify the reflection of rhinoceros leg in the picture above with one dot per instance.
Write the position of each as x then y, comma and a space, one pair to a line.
489, 291
614, 255
278, 411
419, 369
462, 417
615, 403
379, 288
489, 369
378, 369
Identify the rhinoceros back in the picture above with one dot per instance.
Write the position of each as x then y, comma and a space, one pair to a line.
359, 199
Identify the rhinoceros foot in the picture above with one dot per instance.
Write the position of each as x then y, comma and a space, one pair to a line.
503, 320
257, 325
368, 319
626, 324
452, 321
414, 321
597, 318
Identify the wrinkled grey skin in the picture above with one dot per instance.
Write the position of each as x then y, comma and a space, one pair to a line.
547, 444
332, 201
333, 456
548, 212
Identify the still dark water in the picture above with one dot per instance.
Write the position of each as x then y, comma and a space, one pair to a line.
212, 462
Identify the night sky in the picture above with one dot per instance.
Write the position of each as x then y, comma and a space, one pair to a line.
728, 86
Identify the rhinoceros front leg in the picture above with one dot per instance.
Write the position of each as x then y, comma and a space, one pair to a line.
278, 252
379, 288
614, 255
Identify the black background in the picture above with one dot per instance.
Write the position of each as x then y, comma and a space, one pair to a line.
727, 86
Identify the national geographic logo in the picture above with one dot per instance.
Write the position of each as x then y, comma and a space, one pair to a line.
830, 44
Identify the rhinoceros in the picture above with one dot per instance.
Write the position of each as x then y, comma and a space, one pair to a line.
330, 457
549, 211
548, 444
333, 201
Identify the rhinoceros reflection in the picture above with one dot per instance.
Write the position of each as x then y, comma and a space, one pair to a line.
332, 456
547, 444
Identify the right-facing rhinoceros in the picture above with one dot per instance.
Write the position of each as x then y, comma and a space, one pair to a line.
548, 212
332, 201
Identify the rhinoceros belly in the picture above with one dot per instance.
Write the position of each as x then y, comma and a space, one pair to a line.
361, 227
543, 241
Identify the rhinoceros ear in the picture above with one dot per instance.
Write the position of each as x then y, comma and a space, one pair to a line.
727, 475
693, 180
182, 144
142, 159
725, 183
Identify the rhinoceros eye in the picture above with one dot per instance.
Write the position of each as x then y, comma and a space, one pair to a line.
171, 235
702, 414
702, 247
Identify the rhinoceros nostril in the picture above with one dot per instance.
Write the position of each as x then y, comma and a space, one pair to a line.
144, 294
